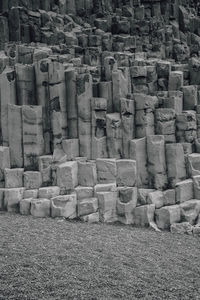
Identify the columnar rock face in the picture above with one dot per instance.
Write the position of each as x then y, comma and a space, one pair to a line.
100, 111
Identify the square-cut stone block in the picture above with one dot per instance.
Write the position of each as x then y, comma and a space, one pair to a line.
87, 173
126, 172
67, 175
32, 180
14, 178
12, 198
40, 208
83, 192
64, 206
87, 206
49, 192
106, 170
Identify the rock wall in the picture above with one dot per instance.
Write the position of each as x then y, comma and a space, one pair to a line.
100, 106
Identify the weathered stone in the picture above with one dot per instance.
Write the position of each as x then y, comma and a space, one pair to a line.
196, 184
156, 161
87, 206
44, 163
87, 173
71, 148
92, 218
126, 203
144, 215
14, 178
31, 194
40, 208
189, 97
106, 170
181, 228
12, 198
107, 206
190, 211
25, 206
193, 164
184, 191
64, 206
126, 172
4, 161
167, 215
15, 136
67, 175
32, 180
156, 198
176, 170
169, 197
49, 192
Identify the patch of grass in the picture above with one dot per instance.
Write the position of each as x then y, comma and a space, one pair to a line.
57, 259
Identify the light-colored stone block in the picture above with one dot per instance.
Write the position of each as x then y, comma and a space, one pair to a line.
12, 198
71, 148
92, 218
107, 206
31, 194
184, 191
87, 173
144, 215
45, 169
32, 180
4, 161
87, 206
169, 197
25, 206
126, 172
40, 208
108, 187
49, 192
67, 175
14, 178
83, 192
156, 198
106, 170
64, 206
167, 215
190, 211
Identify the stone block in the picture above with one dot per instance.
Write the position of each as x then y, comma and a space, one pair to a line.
126, 203
175, 80
40, 208
190, 211
196, 183
181, 228
126, 172
194, 164
64, 206
12, 198
4, 161
189, 97
138, 152
175, 159
107, 187
83, 192
32, 180
71, 148
106, 170
87, 206
44, 163
92, 218
15, 135
156, 198
25, 206
143, 195
184, 191
167, 215
31, 194
156, 161
49, 192
144, 215
107, 206
2, 206
186, 120
87, 173
169, 197
14, 178
143, 101
99, 147
67, 175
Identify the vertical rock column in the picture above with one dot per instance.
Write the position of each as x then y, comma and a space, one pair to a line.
128, 124
15, 136
25, 81
99, 145
33, 142
84, 95
71, 98
7, 96
156, 161
114, 135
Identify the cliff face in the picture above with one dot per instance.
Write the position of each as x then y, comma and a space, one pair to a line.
100, 110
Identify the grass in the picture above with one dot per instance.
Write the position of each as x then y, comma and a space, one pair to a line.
56, 259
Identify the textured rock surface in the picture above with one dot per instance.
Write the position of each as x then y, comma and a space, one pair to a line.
100, 111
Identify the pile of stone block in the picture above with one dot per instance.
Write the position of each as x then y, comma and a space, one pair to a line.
100, 112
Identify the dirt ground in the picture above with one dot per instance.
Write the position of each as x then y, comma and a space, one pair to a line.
57, 259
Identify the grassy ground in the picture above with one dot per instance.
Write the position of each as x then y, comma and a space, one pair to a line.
56, 259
